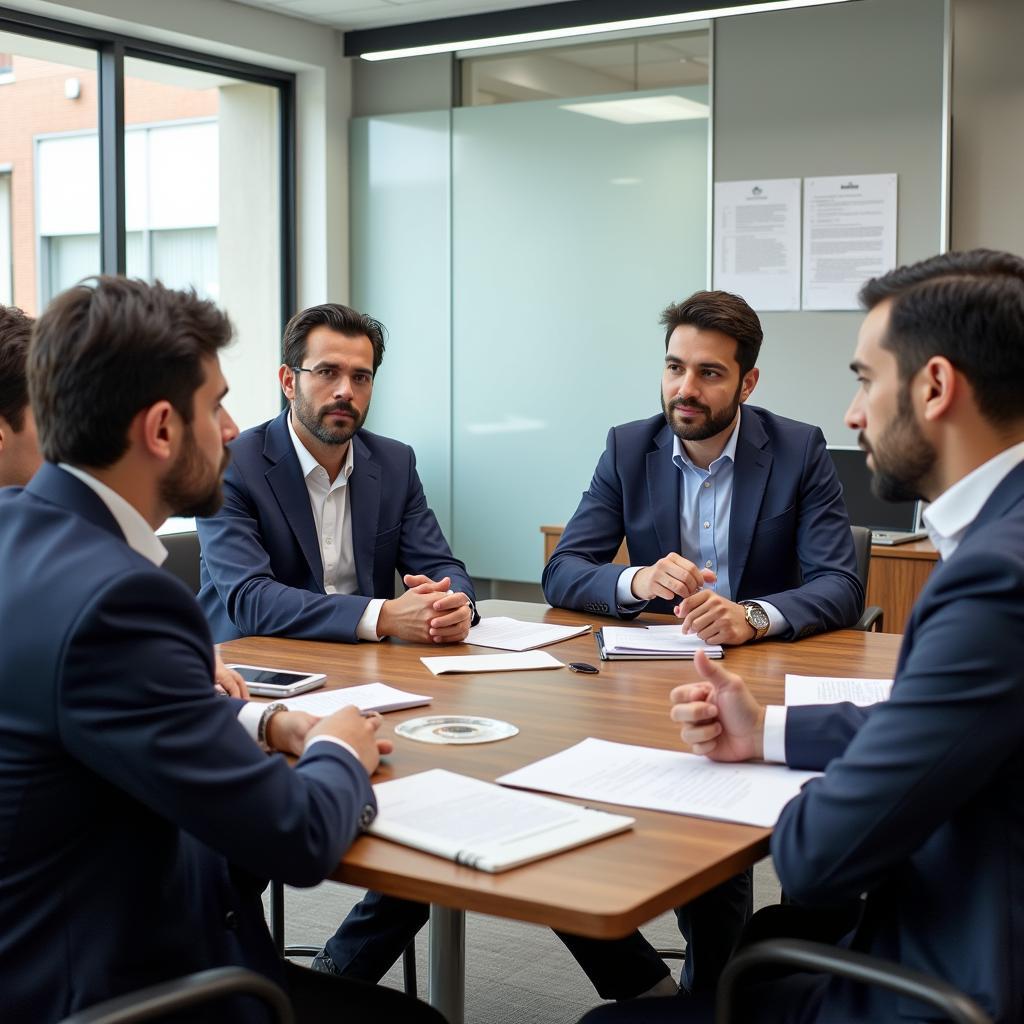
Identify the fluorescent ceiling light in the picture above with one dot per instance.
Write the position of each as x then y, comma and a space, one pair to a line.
642, 110
627, 24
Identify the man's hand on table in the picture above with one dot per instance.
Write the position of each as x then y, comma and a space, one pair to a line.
719, 715
714, 618
426, 613
355, 729
670, 577
227, 680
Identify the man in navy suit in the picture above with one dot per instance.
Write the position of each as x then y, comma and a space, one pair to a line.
318, 513
733, 517
921, 806
137, 810
19, 449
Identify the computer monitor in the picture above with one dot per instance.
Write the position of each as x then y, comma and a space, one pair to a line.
862, 505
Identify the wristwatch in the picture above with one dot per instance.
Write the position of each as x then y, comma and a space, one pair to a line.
757, 618
261, 730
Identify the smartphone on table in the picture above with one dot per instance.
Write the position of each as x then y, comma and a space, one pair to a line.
277, 682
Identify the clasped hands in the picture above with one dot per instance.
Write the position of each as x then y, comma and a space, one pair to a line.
715, 619
428, 612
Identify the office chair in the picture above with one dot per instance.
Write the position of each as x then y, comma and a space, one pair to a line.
183, 994
817, 957
871, 618
183, 558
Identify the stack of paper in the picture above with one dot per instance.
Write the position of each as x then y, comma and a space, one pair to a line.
665, 780
833, 690
635, 642
512, 635
371, 697
480, 825
525, 661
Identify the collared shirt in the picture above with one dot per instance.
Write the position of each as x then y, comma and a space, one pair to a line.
946, 519
142, 540
705, 506
331, 505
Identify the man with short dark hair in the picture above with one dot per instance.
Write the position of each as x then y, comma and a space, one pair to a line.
734, 520
19, 449
319, 513
137, 810
920, 807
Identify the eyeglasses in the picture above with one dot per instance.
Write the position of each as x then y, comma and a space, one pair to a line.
330, 375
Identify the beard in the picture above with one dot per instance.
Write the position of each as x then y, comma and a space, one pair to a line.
315, 420
191, 487
903, 457
713, 423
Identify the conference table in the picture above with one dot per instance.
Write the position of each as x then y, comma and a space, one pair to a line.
601, 890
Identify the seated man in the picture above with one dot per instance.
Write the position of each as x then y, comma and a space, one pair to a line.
921, 805
318, 513
137, 812
733, 517
19, 449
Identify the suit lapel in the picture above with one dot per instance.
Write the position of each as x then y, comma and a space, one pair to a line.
749, 480
364, 503
663, 491
286, 481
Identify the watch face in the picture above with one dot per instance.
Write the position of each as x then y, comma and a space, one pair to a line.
757, 616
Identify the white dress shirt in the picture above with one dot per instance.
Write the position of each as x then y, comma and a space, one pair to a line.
141, 539
331, 505
946, 519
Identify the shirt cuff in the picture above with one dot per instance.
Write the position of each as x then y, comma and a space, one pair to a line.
330, 739
624, 596
776, 620
366, 629
249, 716
775, 733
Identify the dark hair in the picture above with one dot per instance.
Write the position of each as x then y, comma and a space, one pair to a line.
339, 318
108, 348
719, 311
15, 331
968, 307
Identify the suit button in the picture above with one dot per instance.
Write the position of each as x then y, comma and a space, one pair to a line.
231, 921
366, 816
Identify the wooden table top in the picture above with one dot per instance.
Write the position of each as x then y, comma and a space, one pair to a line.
607, 888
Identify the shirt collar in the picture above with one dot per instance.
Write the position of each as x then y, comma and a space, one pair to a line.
947, 518
728, 452
137, 532
308, 464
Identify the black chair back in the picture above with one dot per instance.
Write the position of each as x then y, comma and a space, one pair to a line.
183, 558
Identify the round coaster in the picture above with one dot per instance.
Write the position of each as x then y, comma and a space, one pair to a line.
455, 729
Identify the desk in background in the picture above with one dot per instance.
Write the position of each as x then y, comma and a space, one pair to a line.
595, 890
898, 573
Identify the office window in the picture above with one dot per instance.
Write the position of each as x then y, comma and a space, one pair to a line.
587, 69
6, 262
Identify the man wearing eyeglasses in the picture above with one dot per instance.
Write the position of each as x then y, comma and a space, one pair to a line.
319, 514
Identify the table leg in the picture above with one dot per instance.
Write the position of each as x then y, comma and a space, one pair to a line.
448, 962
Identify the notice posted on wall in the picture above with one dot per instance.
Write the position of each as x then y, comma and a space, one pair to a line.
757, 241
849, 236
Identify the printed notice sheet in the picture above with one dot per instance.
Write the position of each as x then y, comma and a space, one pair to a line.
371, 697
757, 241
512, 635
665, 780
834, 690
849, 236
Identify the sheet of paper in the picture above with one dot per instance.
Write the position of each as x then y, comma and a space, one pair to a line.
757, 241
834, 690
665, 780
371, 697
668, 639
849, 236
491, 662
512, 635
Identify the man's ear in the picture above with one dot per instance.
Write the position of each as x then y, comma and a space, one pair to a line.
286, 375
936, 386
750, 379
156, 429
5, 431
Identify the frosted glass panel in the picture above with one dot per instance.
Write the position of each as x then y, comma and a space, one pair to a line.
570, 234
400, 216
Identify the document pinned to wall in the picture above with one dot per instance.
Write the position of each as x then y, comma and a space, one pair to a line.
849, 236
757, 241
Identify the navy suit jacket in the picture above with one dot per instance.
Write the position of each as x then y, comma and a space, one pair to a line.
923, 808
789, 535
137, 817
262, 572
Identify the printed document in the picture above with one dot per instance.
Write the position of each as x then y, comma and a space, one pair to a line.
371, 697
655, 642
491, 662
481, 825
665, 780
512, 635
834, 690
